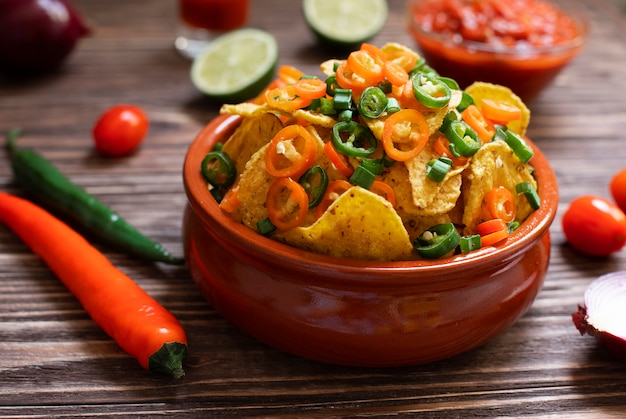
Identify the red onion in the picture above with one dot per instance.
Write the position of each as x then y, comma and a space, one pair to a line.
604, 312
37, 35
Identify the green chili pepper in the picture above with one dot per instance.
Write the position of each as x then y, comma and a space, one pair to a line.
372, 102
466, 100
218, 169
385, 86
437, 241
362, 177
52, 189
519, 146
451, 83
360, 141
463, 139
431, 91
314, 181
450, 116
331, 85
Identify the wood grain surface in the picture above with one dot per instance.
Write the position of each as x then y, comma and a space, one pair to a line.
54, 360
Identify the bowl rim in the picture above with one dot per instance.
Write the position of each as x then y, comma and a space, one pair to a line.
577, 15
207, 209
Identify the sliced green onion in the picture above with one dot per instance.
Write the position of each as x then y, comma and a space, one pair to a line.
437, 169
265, 226
530, 192
470, 243
345, 115
343, 99
362, 177
512, 226
375, 166
327, 106
521, 149
437, 241
393, 105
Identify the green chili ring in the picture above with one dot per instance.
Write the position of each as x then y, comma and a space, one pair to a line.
360, 142
218, 169
463, 139
431, 91
315, 191
372, 102
437, 241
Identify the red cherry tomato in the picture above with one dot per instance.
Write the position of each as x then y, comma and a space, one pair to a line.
618, 189
594, 225
120, 130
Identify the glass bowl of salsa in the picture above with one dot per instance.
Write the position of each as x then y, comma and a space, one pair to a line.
522, 44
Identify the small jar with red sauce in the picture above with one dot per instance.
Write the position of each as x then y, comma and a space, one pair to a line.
202, 20
521, 44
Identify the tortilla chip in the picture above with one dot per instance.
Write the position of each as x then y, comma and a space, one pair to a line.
482, 90
245, 109
253, 133
358, 225
493, 165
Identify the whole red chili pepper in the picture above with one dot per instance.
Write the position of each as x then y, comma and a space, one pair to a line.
137, 322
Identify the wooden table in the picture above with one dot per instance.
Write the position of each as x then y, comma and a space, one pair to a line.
55, 361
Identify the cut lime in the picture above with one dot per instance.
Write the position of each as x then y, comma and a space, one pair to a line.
236, 66
345, 23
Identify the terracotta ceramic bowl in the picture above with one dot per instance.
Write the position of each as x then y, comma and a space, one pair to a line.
527, 71
356, 312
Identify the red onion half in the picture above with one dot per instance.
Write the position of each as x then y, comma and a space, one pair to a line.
604, 313
37, 35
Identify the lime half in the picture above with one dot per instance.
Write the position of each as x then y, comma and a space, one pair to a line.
236, 66
345, 23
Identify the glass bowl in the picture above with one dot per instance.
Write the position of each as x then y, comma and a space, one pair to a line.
524, 68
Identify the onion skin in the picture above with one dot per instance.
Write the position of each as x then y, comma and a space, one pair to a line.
36, 36
605, 298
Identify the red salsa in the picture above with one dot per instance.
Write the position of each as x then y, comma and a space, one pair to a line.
214, 15
512, 26
512, 23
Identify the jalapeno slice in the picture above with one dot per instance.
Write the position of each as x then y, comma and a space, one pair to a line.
431, 91
218, 169
463, 139
358, 142
314, 181
437, 241
372, 102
